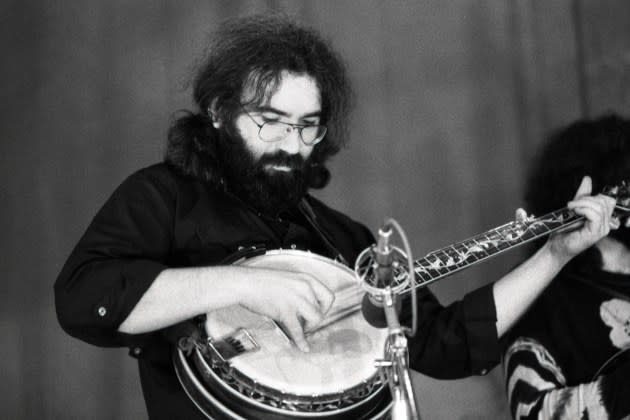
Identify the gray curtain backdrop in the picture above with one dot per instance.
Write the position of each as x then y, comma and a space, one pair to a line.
452, 100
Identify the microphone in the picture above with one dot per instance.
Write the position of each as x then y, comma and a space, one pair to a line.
383, 257
375, 267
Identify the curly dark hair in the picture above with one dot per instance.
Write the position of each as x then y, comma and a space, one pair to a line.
253, 51
597, 147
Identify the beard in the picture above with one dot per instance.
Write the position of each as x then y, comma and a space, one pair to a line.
256, 182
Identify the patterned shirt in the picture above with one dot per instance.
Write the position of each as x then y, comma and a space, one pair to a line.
569, 356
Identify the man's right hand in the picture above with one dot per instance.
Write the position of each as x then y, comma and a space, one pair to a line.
295, 299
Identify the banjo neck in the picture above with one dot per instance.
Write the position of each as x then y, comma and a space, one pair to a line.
449, 260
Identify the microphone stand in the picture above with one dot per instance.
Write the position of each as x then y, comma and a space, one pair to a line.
375, 269
395, 366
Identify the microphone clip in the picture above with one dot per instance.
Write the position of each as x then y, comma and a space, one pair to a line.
377, 270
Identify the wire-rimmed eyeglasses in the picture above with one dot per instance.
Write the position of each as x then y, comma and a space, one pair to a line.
271, 131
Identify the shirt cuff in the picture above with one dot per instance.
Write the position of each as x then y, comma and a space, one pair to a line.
480, 318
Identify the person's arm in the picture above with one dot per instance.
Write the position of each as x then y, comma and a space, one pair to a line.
462, 339
117, 288
182, 293
123, 250
537, 388
517, 290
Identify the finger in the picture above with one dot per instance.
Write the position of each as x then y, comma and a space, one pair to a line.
520, 215
323, 294
309, 311
593, 211
585, 188
304, 290
593, 214
604, 207
614, 221
296, 333
609, 202
597, 220
600, 203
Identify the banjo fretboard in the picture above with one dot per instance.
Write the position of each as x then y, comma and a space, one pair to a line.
446, 261
443, 262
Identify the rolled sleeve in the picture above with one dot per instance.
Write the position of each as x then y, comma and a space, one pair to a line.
455, 341
480, 320
121, 253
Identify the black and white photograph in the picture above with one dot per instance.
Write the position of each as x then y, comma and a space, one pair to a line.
315, 210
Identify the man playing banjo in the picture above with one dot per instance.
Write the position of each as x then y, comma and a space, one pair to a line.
273, 100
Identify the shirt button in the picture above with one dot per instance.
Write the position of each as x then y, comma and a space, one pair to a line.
137, 351
102, 311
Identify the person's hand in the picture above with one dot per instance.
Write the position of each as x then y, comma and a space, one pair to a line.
597, 211
294, 299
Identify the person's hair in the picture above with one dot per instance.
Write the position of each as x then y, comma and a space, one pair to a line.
252, 52
597, 147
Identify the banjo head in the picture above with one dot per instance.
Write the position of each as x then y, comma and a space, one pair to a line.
342, 354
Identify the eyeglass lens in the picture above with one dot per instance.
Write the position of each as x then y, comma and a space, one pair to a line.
276, 130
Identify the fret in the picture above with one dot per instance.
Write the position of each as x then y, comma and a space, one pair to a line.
480, 249
429, 267
554, 222
462, 252
424, 277
541, 227
517, 230
516, 237
528, 234
456, 256
503, 244
433, 272
448, 262
491, 242
426, 273
444, 263
468, 250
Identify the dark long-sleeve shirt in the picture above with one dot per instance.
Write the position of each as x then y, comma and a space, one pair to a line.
159, 219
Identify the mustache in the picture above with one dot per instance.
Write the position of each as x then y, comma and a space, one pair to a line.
281, 158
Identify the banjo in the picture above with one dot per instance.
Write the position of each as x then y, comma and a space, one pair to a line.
247, 367
243, 365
